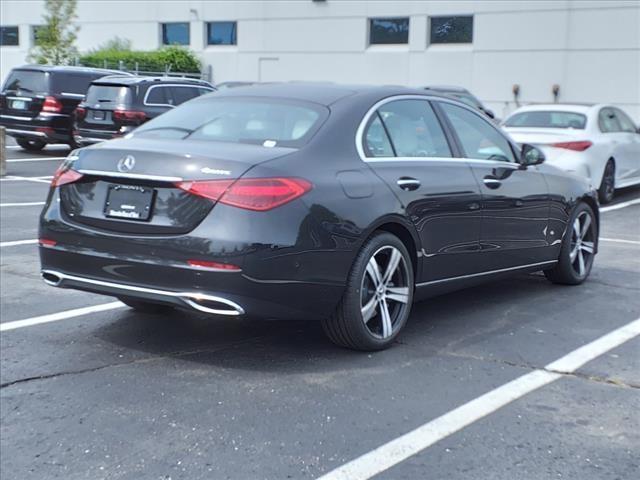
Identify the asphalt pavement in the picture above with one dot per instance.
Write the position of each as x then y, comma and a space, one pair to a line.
114, 394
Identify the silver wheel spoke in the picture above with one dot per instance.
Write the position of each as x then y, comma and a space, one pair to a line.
374, 272
387, 327
587, 247
394, 261
576, 229
574, 253
580, 263
369, 309
585, 226
398, 294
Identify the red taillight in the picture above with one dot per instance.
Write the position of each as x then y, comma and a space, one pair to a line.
227, 267
129, 116
259, 194
46, 242
580, 146
52, 105
81, 112
64, 176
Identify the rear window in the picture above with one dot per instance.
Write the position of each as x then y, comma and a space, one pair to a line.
74, 84
547, 119
108, 95
239, 120
29, 81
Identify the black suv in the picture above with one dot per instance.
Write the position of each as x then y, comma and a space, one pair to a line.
116, 105
37, 102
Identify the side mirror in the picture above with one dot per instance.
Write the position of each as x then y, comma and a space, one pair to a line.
531, 155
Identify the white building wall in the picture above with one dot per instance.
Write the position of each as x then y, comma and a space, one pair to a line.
590, 48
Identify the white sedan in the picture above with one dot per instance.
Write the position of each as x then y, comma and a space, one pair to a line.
599, 142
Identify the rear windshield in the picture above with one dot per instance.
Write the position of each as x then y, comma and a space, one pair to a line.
71, 83
547, 119
29, 81
108, 96
267, 122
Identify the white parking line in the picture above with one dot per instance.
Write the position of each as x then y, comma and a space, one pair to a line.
618, 206
54, 317
41, 159
14, 178
23, 204
18, 242
619, 240
395, 451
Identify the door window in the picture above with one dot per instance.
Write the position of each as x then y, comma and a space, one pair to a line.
626, 124
414, 129
479, 139
376, 141
182, 94
607, 121
158, 96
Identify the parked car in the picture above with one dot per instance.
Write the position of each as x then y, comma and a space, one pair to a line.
599, 142
324, 202
116, 105
465, 96
37, 103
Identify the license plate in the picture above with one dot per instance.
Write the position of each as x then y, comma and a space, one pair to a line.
98, 115
129, 201
19, 105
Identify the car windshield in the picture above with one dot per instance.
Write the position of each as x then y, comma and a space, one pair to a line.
31, 81
547, 119
108, 95
267, 122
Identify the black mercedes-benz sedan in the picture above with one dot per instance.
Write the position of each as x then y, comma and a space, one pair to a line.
323, 202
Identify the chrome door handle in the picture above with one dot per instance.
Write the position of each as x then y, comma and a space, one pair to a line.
408, 183
492, 182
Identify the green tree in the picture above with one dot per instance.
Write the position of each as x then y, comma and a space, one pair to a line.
55, 40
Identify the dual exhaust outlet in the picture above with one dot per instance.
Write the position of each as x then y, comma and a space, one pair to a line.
201, 302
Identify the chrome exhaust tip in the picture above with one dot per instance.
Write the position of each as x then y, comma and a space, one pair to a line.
211, 304
51, 278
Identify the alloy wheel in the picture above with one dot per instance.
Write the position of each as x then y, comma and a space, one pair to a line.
582, 244
384, 292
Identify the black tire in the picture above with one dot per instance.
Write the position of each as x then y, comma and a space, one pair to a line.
608, 183
574, 271
31, 145
145, 307
347, 326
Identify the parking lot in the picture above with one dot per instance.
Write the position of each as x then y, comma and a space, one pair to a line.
91, 390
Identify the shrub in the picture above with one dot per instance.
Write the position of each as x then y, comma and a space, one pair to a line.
177, 59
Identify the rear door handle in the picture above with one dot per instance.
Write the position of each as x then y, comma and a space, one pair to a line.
408, 183
491, 182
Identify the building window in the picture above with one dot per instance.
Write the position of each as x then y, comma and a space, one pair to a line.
222, 33
388, 31
35, 31
175, 33
457, 29
9, 36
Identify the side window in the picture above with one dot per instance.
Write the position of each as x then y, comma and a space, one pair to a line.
182, 94
204, 91
414, 129
479, 139
157, 95
626, 124
376, 141
607, 121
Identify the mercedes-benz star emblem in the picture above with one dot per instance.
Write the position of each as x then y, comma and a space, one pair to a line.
126, 164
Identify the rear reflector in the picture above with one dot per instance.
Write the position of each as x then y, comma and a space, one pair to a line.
259, 194
64, 176
45, 242
52, 105
580, 146
227, 267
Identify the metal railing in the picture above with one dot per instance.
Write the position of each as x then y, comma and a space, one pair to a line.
150, 70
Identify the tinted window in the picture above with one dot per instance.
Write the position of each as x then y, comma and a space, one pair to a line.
626, 124
222, 33
376, 141
547, 119
479, 139
414, 129
29, 81
239, 120
64, 82
175, 33
451, 29
608, 122
384, 31
9, 36
158, 95
182, 94
108, 95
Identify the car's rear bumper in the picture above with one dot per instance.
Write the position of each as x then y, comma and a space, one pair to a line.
50, 128
85, 136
